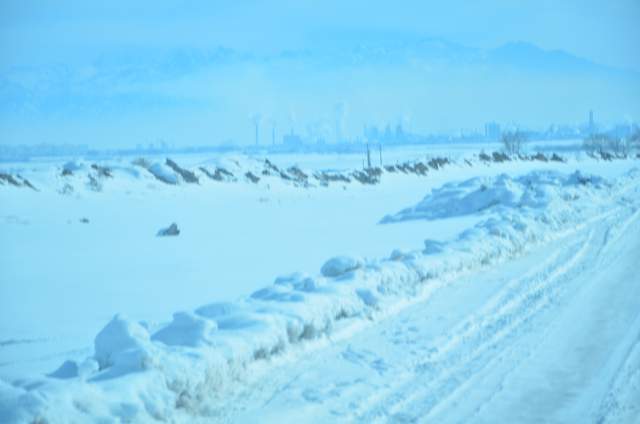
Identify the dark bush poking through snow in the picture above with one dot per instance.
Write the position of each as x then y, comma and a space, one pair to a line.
171, 230
16, 181
251, 177
187, 176
102, 171
220, 174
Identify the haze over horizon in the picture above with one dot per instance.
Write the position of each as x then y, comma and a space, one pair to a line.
119, 75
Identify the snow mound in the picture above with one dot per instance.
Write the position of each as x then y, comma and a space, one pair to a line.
186, 329
75, 369
200, 357
340, 265
163, 173
123, 346
535, 190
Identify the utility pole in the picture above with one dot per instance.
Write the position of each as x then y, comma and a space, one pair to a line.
368, 157
380, 147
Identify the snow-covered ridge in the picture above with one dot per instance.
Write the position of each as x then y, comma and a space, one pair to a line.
77, 176
204, 353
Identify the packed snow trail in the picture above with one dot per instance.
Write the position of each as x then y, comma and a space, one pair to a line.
559, 342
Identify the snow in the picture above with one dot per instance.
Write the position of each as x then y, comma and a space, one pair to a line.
537, 190
120, 345
186, 329
543, 338
232, 329
340, 265
163, 173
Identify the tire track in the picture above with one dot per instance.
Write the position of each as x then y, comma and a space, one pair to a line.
493, 336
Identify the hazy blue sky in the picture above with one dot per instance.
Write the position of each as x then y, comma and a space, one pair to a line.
31, 30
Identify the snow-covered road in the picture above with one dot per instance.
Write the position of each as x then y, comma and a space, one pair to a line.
557, 343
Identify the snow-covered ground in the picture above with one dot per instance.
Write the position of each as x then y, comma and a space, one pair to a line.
507, 294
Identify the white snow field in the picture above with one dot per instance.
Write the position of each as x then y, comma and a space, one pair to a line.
479, 292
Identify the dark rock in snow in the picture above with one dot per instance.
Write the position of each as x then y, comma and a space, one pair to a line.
171, 230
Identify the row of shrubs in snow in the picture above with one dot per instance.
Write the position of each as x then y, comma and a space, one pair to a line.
200, 356
170, 172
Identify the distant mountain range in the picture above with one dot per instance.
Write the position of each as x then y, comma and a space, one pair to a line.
129, 79
134, 66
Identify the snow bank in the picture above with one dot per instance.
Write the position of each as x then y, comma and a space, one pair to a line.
537, 190
340, 265
140, 373
163, 173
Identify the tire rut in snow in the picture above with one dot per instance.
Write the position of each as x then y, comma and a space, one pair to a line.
483, 339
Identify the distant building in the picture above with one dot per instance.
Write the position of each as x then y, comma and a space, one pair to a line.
492, 130
292, 140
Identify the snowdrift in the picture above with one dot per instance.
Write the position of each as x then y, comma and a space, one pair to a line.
538, 191
141, 372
